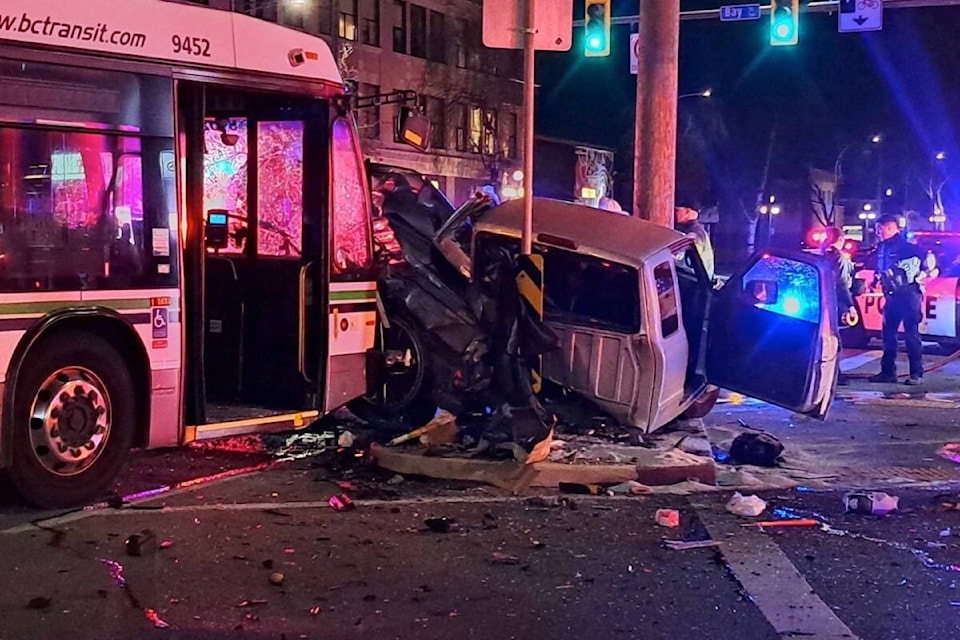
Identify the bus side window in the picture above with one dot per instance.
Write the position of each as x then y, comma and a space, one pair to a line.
72, 212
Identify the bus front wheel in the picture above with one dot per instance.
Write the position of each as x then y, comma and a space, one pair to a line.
73, 420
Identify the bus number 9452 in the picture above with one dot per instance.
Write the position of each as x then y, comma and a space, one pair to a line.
192, 45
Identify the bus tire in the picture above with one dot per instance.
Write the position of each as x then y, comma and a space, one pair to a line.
74, 419
414, 405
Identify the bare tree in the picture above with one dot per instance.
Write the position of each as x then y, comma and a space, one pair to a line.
824, 206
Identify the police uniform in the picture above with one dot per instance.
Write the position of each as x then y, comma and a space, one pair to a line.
899, 269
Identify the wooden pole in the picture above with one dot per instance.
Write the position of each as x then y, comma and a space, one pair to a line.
655, 141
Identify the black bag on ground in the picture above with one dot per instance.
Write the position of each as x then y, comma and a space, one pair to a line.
759, 449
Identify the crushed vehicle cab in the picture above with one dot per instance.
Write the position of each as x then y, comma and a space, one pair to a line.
632, 322
642, 332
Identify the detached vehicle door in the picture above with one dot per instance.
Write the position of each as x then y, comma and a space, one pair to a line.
772, 332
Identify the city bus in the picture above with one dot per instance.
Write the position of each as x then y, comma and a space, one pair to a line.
185, 238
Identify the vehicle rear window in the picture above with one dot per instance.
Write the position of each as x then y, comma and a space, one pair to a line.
582, 290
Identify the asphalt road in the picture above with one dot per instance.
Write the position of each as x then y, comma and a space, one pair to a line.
512, 567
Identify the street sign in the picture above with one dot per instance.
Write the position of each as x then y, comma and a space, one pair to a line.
860, 15
737, 12
503, 22
634, 52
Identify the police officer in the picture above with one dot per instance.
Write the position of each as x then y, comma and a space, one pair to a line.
900, 272
843, 280
687, 214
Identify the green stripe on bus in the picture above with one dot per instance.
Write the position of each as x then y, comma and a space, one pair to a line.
21, 308
353, 295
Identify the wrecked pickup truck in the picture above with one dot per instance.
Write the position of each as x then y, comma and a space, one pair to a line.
633, 323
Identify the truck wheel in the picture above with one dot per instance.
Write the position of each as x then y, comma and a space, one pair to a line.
703, 404
73, 420
403, 399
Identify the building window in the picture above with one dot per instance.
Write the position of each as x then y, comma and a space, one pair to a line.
460, 43
490, 132
476, 128
512, 130
474, 47
418, 31
399, 26
438, 37
461, 117
347, 21
435, 110
325, 17
370, 22
370, 117
264, 9
293, 17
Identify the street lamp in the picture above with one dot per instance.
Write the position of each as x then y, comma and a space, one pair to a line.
706, 93
941, 156
876, 139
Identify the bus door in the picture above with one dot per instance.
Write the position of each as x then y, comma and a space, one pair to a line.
263, 187
351, 322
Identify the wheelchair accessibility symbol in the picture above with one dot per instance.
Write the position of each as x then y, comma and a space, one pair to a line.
159, 322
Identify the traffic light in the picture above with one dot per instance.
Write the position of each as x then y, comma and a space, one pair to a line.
784, 22
597, 37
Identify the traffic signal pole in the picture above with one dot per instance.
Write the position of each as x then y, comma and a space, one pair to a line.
655, 136
529, 70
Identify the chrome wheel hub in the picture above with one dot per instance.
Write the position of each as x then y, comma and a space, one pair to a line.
70, 421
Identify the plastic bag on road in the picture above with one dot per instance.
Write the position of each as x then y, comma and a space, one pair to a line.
745, 506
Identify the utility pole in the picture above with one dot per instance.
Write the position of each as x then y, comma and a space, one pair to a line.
528, 97
655, 136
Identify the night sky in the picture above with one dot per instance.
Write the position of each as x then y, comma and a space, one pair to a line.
830, 90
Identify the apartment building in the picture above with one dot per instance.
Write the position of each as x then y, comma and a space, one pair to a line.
433, 47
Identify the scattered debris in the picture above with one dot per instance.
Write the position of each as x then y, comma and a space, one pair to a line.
154, 617
499, 557
40, 602
440, 525
166, 544
346, 440
442, 419
876, 503
667, 517
276, 578
315, 611
396, 479
631, 488
745, 506
950, 451
489, 521
681, 545
946, 533
341, 503
756, 448
250, 603
792, 522
141, 543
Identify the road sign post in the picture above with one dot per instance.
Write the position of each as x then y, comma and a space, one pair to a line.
530, 25
860, 15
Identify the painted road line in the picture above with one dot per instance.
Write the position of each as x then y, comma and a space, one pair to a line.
857, 361
773, 583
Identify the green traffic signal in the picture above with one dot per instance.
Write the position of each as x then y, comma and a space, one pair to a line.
784, 22
597, 24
